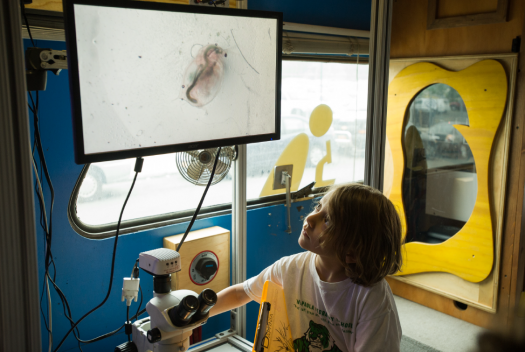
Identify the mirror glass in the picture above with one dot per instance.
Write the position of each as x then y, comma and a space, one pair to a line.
439, 180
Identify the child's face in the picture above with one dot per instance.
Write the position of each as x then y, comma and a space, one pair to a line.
313, 226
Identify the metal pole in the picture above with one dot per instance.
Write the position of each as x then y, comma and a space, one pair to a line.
380, 29
238, 315
19, 306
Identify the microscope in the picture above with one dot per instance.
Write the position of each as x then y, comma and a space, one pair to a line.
172, 314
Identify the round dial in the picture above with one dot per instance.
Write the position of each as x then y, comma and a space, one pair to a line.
204, 267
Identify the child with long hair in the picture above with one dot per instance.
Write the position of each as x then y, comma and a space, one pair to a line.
352, 241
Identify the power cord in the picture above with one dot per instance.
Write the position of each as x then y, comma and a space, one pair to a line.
47, 227
202, 199
130, 288
23, 9
102, 337
138, 168
135, 270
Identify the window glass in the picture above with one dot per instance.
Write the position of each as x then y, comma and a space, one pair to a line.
440, 180
160, 188
306, 85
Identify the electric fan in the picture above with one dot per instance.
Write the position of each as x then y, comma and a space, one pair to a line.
196, 165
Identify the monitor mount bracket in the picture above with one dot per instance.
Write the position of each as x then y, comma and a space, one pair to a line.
38, 62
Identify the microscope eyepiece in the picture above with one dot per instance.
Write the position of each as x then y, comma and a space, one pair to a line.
181, 314
207, 300
190, 303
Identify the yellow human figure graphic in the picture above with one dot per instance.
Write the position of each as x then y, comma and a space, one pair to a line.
296, 153
319, 182
320, 121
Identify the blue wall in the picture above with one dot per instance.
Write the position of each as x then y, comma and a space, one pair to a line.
83, 265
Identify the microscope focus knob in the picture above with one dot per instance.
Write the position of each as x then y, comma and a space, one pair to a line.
154, 335
127, 347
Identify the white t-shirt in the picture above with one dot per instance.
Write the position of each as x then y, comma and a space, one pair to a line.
324, 316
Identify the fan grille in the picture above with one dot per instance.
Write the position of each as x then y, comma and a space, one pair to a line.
196, 165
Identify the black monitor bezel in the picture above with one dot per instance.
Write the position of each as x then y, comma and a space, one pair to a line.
74, 81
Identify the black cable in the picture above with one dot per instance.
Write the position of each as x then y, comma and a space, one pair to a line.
112, 262
43, 216
44, 281
127, 320
42, 223
102, 337
140, 304
68, 314
48, 257
65, 305
202, 199
43, 164
41, 310
23, 9
48, 179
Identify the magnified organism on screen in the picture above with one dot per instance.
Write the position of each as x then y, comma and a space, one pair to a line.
204, 75
208, 72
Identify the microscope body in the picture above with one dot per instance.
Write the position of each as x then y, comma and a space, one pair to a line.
172, 314
167, 336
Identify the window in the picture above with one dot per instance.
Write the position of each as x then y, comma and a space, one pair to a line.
161, 194
307, 84
159, 189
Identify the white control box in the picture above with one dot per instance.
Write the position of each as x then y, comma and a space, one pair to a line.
160, 261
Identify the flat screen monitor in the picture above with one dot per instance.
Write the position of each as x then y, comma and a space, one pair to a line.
151, 78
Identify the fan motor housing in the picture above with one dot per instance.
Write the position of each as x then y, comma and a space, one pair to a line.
205, 157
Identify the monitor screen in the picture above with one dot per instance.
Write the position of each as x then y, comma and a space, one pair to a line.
152, 78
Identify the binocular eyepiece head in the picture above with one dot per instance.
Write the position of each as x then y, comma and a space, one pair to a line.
192, 308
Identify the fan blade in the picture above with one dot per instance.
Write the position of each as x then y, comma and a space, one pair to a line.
221, 167
195, 170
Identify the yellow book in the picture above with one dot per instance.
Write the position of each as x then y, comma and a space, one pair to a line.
273, 327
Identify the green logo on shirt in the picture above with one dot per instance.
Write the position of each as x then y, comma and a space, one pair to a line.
310, 309
316, 338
